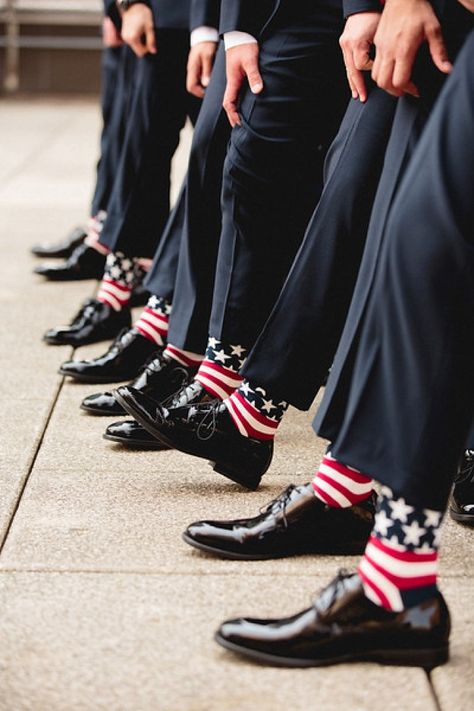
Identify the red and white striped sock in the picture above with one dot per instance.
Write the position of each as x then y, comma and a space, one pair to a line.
121, 275
219, 371
400, 564
184, 357
340, 486
254, 413
153, 321
94, 228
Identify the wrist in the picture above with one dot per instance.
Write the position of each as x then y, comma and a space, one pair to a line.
124, 5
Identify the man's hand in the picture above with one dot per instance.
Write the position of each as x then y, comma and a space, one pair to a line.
241, 64
110, 34
468, 4
404, 26
138, 31
200, 62
356, 41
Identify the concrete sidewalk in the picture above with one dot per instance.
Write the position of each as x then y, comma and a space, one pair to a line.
103, 606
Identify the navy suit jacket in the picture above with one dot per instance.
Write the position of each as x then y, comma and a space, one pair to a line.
205, 13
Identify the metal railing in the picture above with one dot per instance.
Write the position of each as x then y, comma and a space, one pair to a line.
60, 13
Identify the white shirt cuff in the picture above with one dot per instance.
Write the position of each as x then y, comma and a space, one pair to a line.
204, 34
234, 38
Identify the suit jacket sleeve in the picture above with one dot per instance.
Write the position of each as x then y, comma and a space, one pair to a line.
205, 13
351, 7
244, 15
111, 10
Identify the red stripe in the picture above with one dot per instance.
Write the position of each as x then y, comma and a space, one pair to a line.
400, 582
229, 389
156, 314
341, 488
173, 350
325, 497
250, 430
370, 583
162, 330
222, 370
118, 285
346, 471
406, 556
267, 421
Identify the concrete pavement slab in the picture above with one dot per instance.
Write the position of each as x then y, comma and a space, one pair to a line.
144, 643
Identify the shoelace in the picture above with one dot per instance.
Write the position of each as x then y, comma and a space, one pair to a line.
279, 504
207, 426
329, 594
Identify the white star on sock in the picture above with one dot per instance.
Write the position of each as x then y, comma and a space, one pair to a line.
436, 537
413, 533
237, 350
221, 356
212, 342
268, 405
115, 272
126, 264
245, 388
432, 518
383, 523
400, 509
168, 309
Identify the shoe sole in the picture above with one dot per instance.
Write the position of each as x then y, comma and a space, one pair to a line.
426, 658
97, 379
217, 467
136, 444
231, 555
102, 413
466, 519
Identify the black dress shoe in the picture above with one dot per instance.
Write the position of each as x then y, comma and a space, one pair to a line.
461, 502
204, 430
160, 378
94, 322
84, 263
122, 361
130, 434
62, 249
343, 625
296, 522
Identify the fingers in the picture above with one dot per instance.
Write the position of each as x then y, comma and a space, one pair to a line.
231, 97
438, 51
150, 41
207, 64
253, 77
193, 79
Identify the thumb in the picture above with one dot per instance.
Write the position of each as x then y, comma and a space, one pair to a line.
151, 40
438, 51
254, 78
206, 71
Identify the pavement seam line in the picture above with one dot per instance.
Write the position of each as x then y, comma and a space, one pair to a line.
31, 466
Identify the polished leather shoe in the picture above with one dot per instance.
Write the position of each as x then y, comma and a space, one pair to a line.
84, 263
160, 378
204, 430
62, 249
343, 625
131, 434
294, 523
94, 322
461, 501
122, 361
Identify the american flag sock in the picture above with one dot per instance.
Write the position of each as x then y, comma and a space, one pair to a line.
121, 275
254, 412
186, 358
340, 486
153, 320
400, 564
94, 228
219, 371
